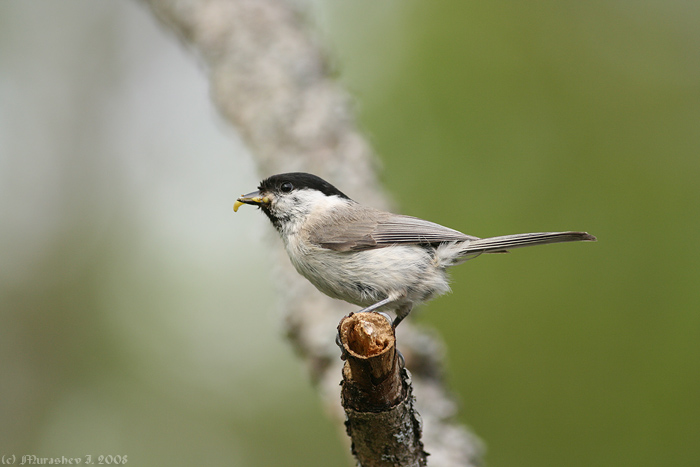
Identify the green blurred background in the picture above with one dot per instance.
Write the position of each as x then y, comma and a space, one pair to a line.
123, 268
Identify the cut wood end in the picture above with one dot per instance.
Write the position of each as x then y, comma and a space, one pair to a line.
366, 334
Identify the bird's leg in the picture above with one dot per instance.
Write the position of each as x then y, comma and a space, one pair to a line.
339, 343
401, 313
377, 305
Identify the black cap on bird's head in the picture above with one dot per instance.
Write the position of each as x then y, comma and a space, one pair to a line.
299, 181
279, 184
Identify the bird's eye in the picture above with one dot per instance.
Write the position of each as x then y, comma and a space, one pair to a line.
286, 187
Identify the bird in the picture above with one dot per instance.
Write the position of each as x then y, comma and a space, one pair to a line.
368, 257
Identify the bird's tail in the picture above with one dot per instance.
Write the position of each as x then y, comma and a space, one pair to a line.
506, 242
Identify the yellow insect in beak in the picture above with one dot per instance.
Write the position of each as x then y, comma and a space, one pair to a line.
254, 198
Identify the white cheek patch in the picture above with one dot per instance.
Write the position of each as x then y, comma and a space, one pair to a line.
317, 200
298, 206
329, 204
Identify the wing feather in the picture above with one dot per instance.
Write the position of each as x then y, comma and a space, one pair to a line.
406, 229
363, 229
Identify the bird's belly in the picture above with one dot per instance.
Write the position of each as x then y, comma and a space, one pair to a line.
403, 272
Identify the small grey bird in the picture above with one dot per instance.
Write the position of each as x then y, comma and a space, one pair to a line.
368, 257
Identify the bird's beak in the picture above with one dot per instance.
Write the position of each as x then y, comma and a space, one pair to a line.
255, 198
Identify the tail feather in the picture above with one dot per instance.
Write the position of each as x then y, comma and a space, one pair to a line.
506, 242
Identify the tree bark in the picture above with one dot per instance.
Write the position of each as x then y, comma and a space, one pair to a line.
271, 81
377, 395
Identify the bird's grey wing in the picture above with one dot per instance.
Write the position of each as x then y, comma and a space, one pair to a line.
369, 228
395, 229
349, 231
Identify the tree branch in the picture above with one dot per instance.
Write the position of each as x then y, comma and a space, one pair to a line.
271, 81
377, 395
